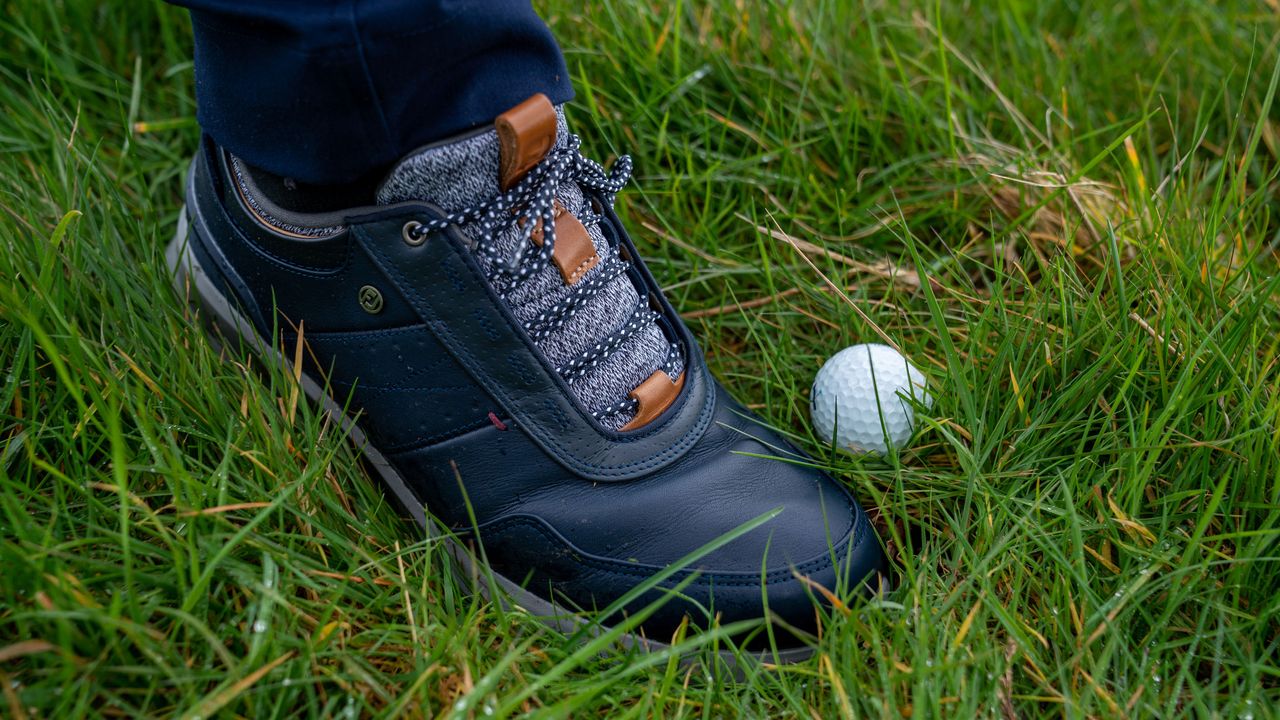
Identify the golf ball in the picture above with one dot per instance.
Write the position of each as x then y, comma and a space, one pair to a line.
860, 398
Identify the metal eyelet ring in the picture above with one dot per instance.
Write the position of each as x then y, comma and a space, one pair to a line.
412, 233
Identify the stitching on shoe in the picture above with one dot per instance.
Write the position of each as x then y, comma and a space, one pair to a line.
356, 385
405, 333
582, 268
353, 336
420, 443
732, 578
466, 357
289, 266
295, 268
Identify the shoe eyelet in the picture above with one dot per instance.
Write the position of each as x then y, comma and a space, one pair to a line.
412, 233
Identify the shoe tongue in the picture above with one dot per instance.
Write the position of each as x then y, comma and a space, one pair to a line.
465, 172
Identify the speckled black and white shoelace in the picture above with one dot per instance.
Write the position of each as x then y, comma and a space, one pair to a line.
592, 342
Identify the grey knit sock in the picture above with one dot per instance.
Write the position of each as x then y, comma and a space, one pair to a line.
464, 173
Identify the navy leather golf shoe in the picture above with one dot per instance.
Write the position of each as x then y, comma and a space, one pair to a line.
483, 326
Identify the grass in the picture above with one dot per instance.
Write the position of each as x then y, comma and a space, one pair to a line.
1065, 212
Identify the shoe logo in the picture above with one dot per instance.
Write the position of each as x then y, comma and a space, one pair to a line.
371, 299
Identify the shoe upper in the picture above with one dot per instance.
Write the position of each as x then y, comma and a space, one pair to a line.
414, 330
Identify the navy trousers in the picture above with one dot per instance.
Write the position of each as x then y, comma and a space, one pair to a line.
330, 91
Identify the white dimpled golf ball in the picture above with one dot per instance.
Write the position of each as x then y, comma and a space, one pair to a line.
843, 402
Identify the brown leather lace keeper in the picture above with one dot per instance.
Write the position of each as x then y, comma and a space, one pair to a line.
574, 253
526, 133
655, 395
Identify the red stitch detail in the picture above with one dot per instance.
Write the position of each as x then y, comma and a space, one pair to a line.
496, 422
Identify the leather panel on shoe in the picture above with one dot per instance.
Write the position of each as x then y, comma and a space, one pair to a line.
442, 282
527, 548
720, 484
407, 388
210, 255
286, 276
371, 353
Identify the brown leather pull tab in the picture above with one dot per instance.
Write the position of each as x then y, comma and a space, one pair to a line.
526, 133
574, 253
655, 395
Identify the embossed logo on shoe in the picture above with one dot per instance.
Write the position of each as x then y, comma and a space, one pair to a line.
370, 299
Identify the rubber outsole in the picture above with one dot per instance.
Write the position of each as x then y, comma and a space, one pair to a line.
224, 322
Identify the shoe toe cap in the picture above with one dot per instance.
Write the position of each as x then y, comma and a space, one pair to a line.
751, 577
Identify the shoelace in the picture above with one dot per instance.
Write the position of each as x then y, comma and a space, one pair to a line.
534, 198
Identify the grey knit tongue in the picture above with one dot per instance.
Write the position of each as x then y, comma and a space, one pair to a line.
463, 173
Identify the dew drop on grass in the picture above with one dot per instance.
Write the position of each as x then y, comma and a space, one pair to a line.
260, 626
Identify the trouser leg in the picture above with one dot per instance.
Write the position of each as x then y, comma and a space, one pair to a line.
328, 91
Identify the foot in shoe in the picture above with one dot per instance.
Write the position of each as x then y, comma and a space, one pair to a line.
482, 308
